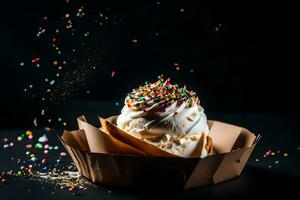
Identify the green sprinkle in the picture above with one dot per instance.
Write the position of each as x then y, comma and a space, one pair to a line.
38, 145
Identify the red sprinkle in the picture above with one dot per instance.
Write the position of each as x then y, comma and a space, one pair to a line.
35, 59
113, 74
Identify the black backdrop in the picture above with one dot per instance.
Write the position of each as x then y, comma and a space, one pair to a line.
245, 66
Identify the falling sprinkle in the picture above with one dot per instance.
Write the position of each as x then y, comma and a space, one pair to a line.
113, 73
43, 138
33, 159
44, 161
34, 60
217, 28
35, 122
28, 132
63, 154
52, 82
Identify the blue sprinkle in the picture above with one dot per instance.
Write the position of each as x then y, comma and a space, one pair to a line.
52, 82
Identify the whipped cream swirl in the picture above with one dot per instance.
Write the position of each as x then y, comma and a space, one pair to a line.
161, 110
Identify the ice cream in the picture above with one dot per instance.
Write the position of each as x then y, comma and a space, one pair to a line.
167, 116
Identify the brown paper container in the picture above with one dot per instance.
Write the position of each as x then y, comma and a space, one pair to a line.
117, 167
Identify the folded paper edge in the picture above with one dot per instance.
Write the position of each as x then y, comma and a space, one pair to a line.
144, 146
92, 132
232, 164
237, 167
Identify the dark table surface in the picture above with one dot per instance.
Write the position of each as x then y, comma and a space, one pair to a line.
274, 175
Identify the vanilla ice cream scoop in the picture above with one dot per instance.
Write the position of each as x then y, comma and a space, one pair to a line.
167, 116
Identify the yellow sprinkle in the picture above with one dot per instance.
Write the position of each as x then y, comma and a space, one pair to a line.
273, 154
285, 154
28, 132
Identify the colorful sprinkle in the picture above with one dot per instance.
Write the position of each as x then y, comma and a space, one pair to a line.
113, 74
43, 138
159, 95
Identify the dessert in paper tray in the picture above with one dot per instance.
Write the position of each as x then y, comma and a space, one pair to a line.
161, 137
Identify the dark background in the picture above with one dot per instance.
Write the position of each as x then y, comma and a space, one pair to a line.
245, 73
246, 66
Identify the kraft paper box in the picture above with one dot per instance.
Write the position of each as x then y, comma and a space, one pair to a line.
104, 158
